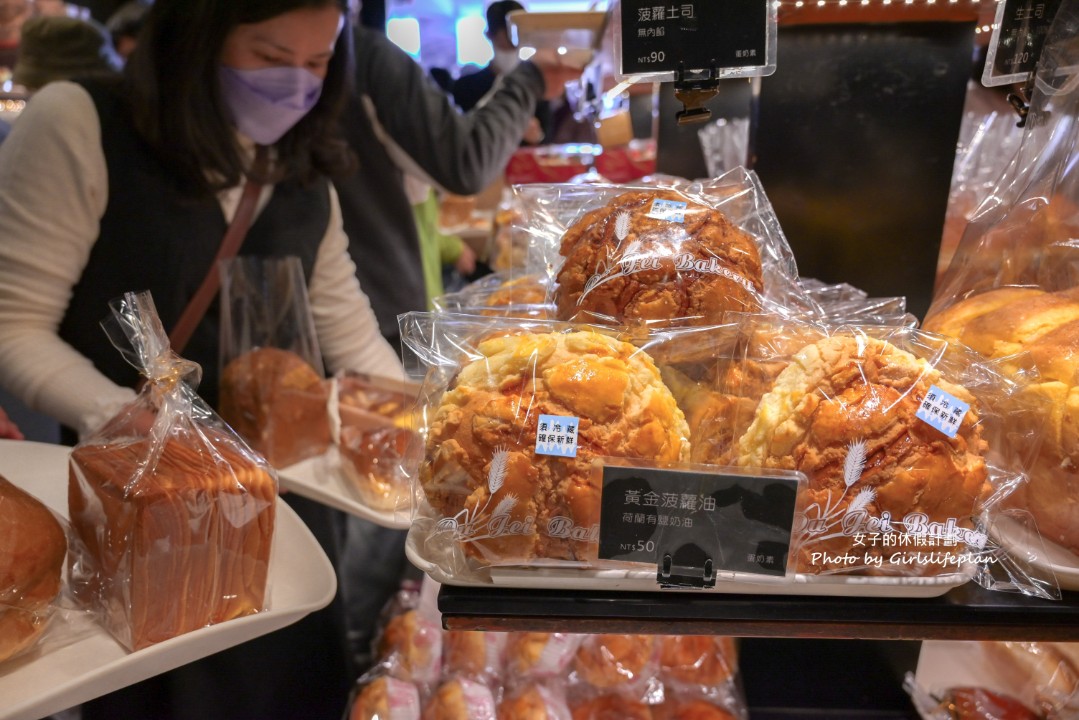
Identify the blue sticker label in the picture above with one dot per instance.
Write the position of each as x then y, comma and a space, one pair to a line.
669, 210
943, 411
557, 435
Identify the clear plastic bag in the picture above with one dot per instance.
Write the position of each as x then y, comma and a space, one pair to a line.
33, 549
460, 699
1012, 290
1023, 233
843, 304
909, 444
624, 665
534, 701
167, 501
375, 437
644, 254
378, 696
272, 387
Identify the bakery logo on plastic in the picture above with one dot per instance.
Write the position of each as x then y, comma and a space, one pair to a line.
481, 522
669, 210
943, 411
557, 435
633, 258
851, 517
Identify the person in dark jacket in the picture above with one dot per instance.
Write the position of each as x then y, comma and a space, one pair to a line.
399, 121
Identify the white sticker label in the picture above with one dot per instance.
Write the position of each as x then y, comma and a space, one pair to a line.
943, 411
557, 435
669, 210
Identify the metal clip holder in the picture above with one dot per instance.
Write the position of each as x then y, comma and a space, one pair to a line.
690, 571
693, 89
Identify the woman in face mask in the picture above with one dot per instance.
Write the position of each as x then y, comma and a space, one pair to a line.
112, 187
109, 187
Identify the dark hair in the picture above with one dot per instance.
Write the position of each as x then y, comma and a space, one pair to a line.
497, 12
172, 78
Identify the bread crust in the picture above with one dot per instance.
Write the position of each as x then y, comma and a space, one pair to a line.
32, 550
845, 391
622, 264
482, 471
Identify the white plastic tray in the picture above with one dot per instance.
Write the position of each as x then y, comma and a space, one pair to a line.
644, 580
315, 480
301, 579
945, 664
1048, 556
570, 30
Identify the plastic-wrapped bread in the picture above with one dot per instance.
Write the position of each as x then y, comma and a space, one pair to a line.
411, 648
460, 699
32, 550
1044, 327
179, 535
473, 654
655, 255
612, 707
386, 698
539, 655
278, 403
845, 413
533, 702
483, 474
610, 661
697, 660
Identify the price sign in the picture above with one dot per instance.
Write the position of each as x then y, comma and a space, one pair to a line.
740, 523
731, 35
1018, 36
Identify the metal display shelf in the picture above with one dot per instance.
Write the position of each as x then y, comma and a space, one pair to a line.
967, 612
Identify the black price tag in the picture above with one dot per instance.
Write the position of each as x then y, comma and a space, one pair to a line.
701, 34
739, 523
1018, 37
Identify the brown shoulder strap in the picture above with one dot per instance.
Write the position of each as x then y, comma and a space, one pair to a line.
230, 245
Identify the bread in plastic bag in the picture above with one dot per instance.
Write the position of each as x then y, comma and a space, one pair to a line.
640, 254
33, 547
272, 388
533, 701
375, 438
460, 699
481, 473
382, 697
168, 502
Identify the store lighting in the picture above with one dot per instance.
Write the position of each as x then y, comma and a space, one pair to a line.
562, 51
799, 3
404, 32
472, 45
526, 52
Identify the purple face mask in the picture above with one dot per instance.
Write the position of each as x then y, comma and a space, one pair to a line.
267, 102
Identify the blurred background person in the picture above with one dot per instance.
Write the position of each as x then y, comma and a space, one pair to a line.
124, 25
469, 90
399, 122
63, 48
13, 13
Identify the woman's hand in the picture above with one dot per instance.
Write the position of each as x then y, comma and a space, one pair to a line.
8, 429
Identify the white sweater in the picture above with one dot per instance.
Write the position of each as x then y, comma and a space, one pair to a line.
53, 194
